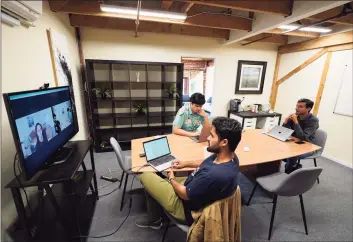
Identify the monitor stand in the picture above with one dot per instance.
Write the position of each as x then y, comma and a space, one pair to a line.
60, 156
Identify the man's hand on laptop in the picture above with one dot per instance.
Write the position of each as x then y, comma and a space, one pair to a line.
171, 172
178, 164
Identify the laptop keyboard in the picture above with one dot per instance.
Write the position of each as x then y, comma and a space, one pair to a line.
163, 160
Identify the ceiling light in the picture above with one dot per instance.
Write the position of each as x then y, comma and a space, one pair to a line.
308, 29
143, 12
288, 27
316, 29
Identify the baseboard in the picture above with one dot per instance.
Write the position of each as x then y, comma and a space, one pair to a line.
339, 161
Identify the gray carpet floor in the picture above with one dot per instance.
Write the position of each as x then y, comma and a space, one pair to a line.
328, 207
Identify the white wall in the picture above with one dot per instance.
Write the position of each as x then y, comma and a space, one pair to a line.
209, 81
26, 64
121, 45
305, 84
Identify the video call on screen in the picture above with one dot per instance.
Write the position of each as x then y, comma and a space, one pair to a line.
44, 121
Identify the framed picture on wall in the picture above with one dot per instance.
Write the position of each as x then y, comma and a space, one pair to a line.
250, 77
59, 52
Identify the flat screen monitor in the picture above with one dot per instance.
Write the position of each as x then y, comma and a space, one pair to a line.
42, 122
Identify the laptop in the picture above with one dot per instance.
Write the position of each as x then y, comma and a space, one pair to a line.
280, 132
158, 153
205, 132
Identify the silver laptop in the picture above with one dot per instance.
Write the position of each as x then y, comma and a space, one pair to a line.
280, 132
158, 153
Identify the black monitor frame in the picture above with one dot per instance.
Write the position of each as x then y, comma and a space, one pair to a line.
6, 97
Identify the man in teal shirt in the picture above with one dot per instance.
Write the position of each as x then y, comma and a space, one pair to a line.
191, 116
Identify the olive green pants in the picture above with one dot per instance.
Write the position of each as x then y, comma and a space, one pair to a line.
161, 195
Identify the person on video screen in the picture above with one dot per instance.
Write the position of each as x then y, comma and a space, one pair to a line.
56, 124
69, 115
41, 135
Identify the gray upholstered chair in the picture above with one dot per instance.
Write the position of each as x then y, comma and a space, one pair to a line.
124, 163
288, 185
320, 140
173, 222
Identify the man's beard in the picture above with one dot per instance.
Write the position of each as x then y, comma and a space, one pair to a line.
213, 149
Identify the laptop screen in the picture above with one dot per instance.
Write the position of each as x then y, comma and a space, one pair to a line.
156, 148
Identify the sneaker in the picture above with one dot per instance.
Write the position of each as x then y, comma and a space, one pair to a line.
290, 170
143, 222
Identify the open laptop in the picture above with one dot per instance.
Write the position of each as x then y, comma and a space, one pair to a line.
158, 153
205, 132
280, 132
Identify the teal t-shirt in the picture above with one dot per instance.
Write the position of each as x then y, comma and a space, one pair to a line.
187, 120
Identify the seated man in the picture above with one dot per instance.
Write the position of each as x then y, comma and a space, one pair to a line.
191, 116
304, 125
214, 179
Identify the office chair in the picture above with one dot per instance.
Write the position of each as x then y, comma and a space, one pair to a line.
174, 222
288, 185
228, 208
320, 140
123, 163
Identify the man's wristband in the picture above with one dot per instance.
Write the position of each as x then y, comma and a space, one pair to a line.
170, 179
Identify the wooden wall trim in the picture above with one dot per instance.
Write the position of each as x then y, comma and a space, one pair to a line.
322, 42
302, 66
340, 47
322, 83
274, 88
328, 50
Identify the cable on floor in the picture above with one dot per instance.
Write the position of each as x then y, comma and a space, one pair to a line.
130, 206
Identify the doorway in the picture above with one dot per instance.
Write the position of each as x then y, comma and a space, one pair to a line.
198, 77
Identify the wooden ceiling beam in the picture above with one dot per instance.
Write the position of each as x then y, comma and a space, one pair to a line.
145, 26
186, 7
166, 4
348, 20
295, 33
57, 5
76, 6
275, 7
277, 39
326, 41
202, 20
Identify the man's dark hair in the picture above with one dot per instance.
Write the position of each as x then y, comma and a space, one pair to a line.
229, 129
197, 98
308, 103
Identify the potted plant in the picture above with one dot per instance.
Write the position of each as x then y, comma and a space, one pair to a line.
104, 92
104, 144
173, 92
140, 109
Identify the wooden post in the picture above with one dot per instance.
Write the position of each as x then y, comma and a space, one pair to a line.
274, 83
322, 83
84, 81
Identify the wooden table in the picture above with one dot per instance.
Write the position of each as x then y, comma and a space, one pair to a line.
264, 151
